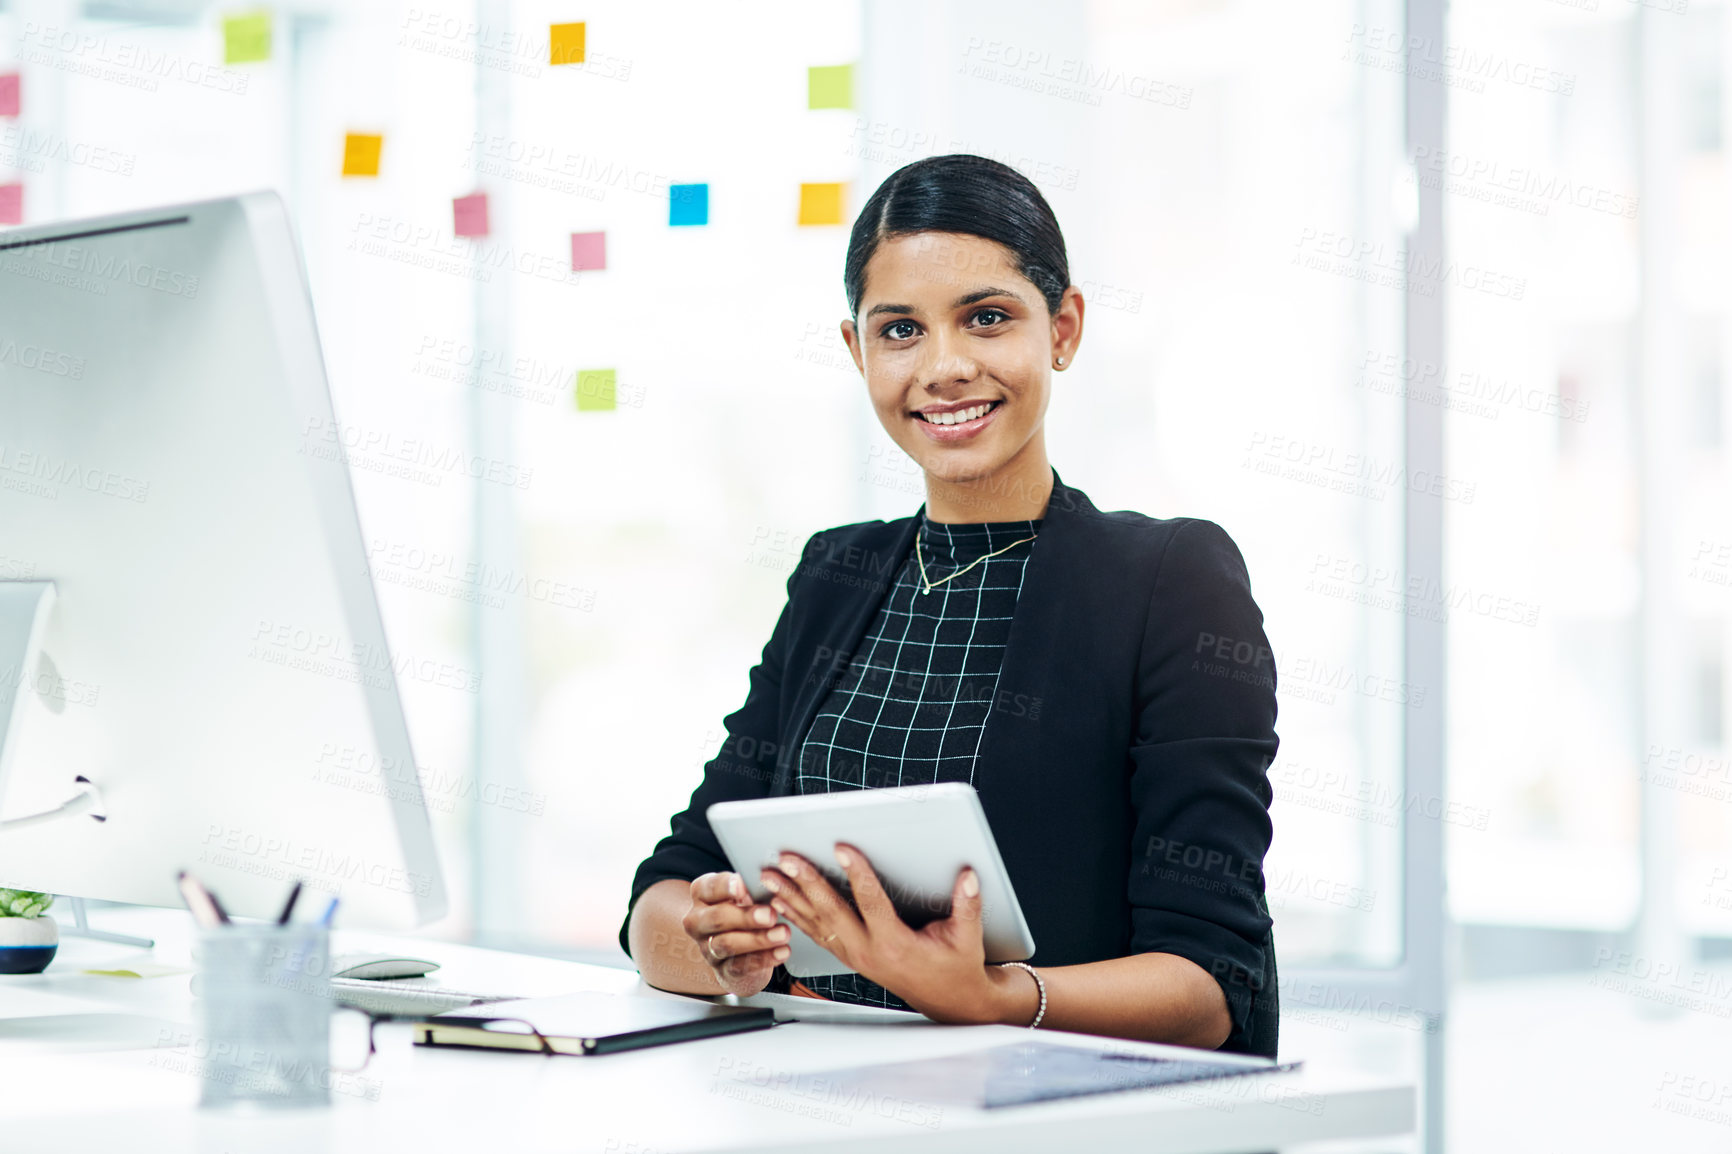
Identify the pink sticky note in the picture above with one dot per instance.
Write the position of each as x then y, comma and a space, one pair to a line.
11, 204
588, 250
471, 213
9, 94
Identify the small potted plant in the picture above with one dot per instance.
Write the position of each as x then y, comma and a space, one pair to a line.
28, 937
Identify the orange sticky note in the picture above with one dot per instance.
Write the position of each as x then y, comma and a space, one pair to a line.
565, 44
361, 154
820, 204
470, 213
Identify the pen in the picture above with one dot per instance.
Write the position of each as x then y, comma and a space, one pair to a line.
289, 906
203, 904
330, 912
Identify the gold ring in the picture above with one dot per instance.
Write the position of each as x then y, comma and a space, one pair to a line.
708, 952
830, 939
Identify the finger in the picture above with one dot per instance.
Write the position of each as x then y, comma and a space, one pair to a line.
711, 887
748, 967
810, 927
788, 889
825, 916
790, 902
965, 897
737, 890
737, 942
825, 903
964, 923
721, 917
869, 894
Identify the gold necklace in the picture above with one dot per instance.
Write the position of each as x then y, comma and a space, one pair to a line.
931, 585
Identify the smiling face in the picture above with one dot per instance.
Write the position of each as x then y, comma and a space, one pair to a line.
958, 348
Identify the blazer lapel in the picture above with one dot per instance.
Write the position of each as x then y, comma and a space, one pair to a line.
1041, 632
860, 586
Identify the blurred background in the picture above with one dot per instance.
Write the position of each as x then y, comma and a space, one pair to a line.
1429, 308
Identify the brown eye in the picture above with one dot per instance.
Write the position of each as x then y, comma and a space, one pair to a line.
890, 330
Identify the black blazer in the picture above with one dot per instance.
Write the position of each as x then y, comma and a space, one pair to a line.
1124, 765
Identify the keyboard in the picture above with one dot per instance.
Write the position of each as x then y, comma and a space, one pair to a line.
378, 997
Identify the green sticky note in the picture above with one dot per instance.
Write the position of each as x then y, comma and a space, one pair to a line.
247, 37
830, 87
595, 390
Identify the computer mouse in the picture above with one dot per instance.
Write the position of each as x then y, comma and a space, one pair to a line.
379, 967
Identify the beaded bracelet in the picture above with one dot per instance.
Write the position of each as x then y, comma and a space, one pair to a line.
1040, 1013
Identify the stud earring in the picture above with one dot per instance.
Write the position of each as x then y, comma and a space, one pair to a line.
1061, 362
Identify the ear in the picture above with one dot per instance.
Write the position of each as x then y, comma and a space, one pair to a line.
1067, 327
851, 338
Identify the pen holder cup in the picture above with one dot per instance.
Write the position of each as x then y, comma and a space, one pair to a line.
264, 1015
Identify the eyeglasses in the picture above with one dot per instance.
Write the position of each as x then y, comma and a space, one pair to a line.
373, 1020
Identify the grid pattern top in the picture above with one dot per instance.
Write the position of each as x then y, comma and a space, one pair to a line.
911, 706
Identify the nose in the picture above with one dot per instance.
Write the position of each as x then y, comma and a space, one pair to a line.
947, 361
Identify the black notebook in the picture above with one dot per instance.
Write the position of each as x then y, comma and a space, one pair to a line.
585, 1023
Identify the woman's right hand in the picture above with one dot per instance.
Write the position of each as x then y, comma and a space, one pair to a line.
738, 938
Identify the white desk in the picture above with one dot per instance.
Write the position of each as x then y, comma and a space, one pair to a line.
82, 1068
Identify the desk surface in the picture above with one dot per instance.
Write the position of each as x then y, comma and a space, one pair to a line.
89, 1064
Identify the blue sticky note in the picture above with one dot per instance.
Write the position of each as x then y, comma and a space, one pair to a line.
688, 204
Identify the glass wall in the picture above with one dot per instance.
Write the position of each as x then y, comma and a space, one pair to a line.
1588, 407
1241, 363
1244, 274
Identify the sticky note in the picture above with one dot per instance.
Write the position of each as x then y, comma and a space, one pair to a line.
361, 154
595, 390
142, 970
565, 44
588, 251
470, 213
831, 86
688, 204
820, 204
8, 94
11, 204
247, 37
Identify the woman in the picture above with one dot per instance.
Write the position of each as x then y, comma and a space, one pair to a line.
1102, 679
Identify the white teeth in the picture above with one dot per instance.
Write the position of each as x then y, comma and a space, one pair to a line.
959, 416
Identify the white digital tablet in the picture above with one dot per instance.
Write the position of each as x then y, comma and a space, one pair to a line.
917, 839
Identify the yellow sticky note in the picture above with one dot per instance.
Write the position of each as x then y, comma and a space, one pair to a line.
830, 87
820, 204
247, 37
361, 154
142, 970
595, 390
565, 44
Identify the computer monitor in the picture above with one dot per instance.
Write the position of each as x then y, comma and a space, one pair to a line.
187, 614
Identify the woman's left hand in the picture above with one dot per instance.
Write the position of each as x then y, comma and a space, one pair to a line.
939, 969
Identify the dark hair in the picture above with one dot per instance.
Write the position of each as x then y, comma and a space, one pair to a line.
963, 193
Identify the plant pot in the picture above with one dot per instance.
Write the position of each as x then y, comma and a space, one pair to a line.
27, 945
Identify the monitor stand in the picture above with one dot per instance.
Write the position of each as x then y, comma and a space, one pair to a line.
80, 928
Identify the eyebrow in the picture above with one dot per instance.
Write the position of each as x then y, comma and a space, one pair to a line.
960, 302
